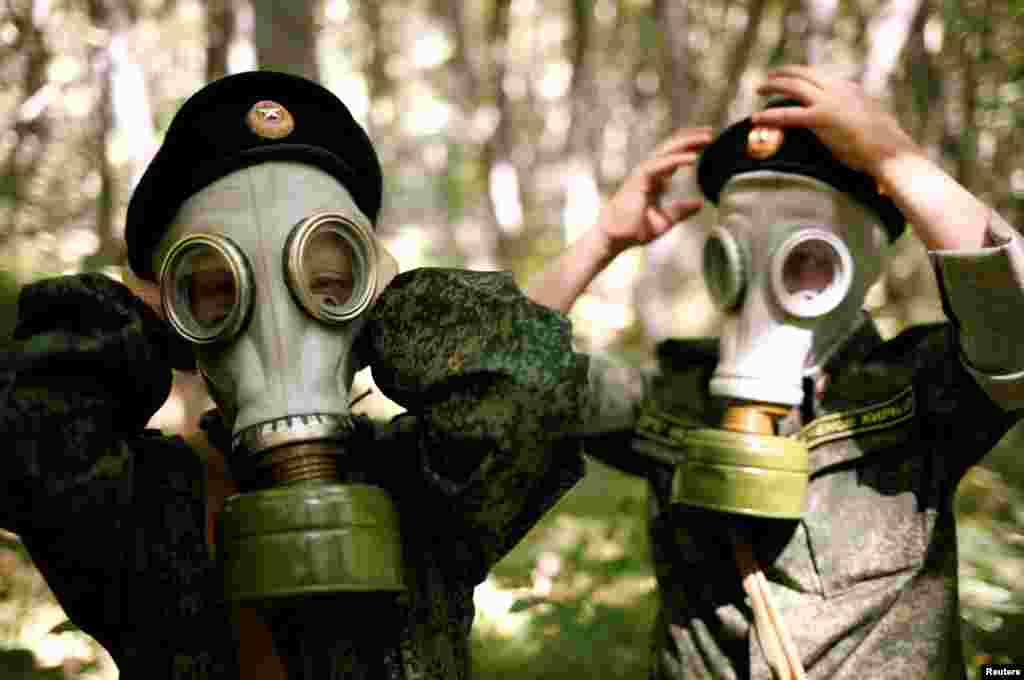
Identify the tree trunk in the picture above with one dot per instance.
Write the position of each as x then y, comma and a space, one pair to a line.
221, 17
887, 35
31, 128
680, 82
967, 135
656, 287
285, 36
821, 16
484, 249
739, 59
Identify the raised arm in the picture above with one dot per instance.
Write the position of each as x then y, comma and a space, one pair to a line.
633, 216
94, 495
978, 258
493, 392
89, 365
862, 134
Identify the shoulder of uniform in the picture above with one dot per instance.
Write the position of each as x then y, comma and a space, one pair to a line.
915, 344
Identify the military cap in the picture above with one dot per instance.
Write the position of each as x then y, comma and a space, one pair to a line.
239, 121
744, 147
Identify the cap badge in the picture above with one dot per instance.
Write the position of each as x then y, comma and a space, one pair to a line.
270, 120
764, 142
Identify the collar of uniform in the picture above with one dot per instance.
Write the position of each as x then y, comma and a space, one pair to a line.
872, 393
864, 406
864, 340
818, 385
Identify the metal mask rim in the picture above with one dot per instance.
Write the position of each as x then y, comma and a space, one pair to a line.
827, 300
363, 248
734, 276
241, 272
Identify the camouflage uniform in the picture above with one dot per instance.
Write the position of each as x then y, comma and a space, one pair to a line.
114, 515
866, 581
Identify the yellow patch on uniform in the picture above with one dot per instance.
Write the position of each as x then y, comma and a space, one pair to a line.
888, 413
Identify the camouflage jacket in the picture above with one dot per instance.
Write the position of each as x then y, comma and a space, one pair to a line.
866, 581
114, 515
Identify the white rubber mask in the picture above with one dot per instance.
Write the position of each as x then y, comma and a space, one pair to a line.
790, 265
270, 272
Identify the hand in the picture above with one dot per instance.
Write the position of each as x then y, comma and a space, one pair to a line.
855, 127
634, 215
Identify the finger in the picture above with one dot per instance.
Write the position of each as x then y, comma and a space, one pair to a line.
686, 139
789, 116
793, 88
806, 74
682, 209
658, 220
683, 134
660, 169
690, 143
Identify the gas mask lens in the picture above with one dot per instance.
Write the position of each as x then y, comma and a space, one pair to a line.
812, 273
330, 267
206, 288
329, 262
724, 272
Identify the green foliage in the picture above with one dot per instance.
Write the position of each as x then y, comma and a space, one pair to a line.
8, 303
990, 508
595, 618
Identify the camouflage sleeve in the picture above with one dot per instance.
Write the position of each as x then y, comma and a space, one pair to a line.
617, 392
80, 380
497, 391
625, 398
983, 294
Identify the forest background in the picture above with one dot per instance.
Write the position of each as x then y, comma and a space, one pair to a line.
501, 124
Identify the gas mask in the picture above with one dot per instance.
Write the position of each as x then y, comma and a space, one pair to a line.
789, 265
269, 272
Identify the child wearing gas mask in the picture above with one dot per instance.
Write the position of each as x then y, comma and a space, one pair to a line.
359, 543
801, 469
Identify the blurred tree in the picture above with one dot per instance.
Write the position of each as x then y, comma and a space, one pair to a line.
821, 16
105, 13
221, 27
887, 35
27, 56
285, 35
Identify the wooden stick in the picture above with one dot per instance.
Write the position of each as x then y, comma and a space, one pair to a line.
788, 646
766, 633
776, 642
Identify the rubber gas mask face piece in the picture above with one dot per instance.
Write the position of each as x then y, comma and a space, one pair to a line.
789, 265
270, 271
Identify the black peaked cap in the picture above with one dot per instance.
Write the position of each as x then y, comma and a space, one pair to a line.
801, 153
210, 137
